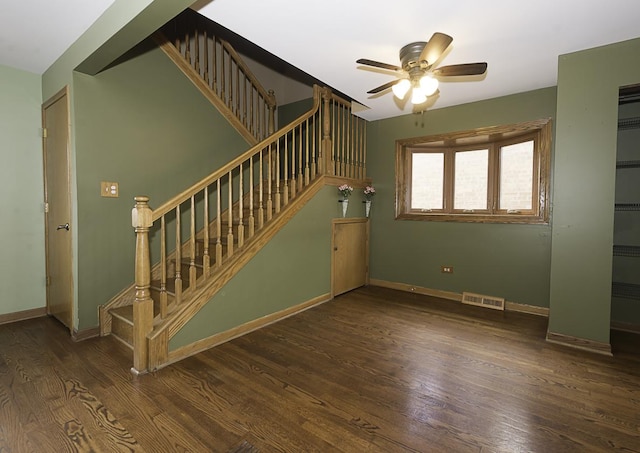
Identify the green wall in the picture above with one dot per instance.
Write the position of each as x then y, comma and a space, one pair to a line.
292, 268
22, 262
503, 260
292, 111
586, 133
144, 125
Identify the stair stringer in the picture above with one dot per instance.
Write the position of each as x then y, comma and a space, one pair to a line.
158, 340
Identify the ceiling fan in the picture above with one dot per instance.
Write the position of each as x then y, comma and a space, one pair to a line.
417, 63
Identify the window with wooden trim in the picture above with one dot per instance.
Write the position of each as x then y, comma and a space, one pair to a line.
497, 174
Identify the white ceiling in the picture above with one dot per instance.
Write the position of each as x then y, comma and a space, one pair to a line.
34, 33
521, 41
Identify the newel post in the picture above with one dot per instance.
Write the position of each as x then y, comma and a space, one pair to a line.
141, 219
325, 160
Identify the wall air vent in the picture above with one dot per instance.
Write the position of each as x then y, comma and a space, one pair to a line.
496, 303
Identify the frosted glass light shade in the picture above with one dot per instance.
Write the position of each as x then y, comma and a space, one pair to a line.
429, 85
418, 96
401, 88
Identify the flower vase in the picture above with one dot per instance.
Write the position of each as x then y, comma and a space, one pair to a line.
345, 205
367, 207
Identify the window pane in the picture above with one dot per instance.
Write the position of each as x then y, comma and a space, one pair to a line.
471, 179
516, 176
427, 180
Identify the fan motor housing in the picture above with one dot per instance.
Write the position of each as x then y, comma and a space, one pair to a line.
410, 55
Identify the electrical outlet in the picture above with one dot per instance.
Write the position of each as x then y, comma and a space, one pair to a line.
446, 269
109, 189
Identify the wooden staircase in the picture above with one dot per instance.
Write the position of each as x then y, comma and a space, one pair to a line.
203, 236
191, 270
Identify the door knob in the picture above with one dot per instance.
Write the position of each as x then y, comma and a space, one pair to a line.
63, 227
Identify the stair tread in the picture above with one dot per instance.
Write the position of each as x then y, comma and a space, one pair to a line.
124, 313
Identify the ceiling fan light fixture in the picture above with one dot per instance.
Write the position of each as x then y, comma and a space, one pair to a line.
401, 88
418, 96
428, 84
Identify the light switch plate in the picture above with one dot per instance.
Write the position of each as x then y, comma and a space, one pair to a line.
109, 189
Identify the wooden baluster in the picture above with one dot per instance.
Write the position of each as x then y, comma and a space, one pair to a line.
244, 100
359, 149
192, 245
285, 176
163, 268
293, 163
218, 226
300, 159
214, 64
272, 112
252, 224
269, 183
230, 81
314, 150
356, 146
350, 143
326, 158
261, 191
187, 45
364, 149
196, 50
230, 218
206, 260
248, 105
178, 258
254, 110
241, 208
205, 44
277, 164
237, 103
223, 91
335, 141
178, 46
141, 216
343, 145
306, 152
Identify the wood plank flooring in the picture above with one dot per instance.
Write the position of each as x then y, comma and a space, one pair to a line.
375, 370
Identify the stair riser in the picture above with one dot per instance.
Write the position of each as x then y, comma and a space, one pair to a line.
122, 329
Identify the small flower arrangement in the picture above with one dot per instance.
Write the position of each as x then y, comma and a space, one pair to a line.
369, 192
345, 190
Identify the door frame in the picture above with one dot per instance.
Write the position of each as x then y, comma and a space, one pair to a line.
63, 94
339, 221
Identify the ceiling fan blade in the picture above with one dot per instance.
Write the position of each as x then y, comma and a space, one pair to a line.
435, 47
461, 69
378, 64
383, 87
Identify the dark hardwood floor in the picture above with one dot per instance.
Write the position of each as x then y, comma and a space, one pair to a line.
374, 370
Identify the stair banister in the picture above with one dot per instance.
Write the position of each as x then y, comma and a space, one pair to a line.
341, 155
